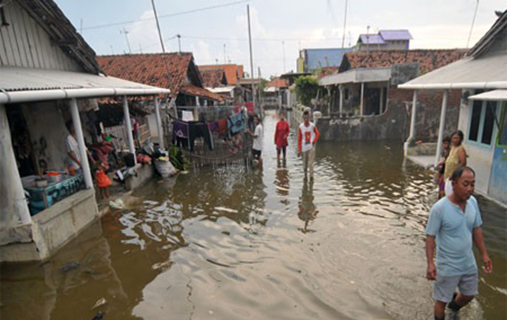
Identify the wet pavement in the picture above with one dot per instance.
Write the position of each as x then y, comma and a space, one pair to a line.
238, 243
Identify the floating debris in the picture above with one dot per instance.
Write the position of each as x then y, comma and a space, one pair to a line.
70, 266
226, 210
117, 204
99, 316
100, 302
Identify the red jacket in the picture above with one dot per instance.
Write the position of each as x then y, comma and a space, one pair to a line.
281, 133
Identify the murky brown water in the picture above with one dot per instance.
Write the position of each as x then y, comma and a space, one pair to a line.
237, 244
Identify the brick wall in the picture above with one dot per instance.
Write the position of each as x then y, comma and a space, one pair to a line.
429, 103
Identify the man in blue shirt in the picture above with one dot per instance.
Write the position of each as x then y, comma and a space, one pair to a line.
455, 222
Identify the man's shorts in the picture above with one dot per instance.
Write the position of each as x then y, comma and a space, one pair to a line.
444, 286
256, 153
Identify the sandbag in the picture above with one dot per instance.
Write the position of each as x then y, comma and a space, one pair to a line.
165, 168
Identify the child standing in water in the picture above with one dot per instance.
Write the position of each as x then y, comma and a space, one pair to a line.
103, 181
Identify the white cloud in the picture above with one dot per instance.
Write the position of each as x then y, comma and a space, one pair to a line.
143, 34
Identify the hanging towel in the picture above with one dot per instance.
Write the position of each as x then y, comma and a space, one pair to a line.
236, 122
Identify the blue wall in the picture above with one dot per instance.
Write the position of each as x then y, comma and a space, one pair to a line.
316, 58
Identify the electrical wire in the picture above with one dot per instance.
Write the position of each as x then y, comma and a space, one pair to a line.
166, 15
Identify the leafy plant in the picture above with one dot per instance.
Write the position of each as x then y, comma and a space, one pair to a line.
178, 159
306, 89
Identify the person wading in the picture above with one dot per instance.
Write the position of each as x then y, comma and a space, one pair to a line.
457, 158
455, 222
281, 134
307, 138
257, 140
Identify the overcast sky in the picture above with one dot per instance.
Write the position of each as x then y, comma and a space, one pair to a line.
277, 26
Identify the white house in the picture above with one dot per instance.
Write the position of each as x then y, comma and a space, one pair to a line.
48, 75
482, 77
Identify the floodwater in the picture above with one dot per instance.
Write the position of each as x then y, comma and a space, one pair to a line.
232, 243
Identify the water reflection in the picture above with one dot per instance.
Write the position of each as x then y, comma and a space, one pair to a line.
307, 209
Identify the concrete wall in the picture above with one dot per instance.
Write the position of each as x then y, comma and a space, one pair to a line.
47, 129
429, 104
389, 125
54, 227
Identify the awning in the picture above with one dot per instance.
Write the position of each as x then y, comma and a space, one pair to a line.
192, 90
486, 72
19, 85
357, 76
221, 89
495, 95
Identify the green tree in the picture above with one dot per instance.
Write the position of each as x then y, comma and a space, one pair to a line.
306, 89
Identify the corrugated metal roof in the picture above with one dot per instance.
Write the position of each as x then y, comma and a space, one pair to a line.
319, 58
372, 39
485, 72
41, 84
495, 95
390, 35
357, 76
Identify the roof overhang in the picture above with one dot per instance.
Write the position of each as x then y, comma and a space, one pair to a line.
486, 72
357, 76
495, 95
227, 89
22, 85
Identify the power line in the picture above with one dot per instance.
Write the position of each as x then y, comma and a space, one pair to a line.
167, 15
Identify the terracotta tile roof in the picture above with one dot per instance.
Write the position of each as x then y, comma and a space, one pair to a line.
327, 71
428, 59
233, 72
149, 69
212, 78
278, 83
190, 89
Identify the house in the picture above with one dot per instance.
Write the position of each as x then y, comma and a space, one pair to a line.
384, 40
365, 90
48, 76
311, 60
175, 71
275, 93
481, 78
215, 80
233, 72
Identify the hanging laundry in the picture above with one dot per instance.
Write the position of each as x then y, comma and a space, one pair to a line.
197, 130
236, 123
213, 126
222, 126
187, 116
180, 133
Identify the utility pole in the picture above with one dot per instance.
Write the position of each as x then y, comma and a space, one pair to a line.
283, 52
225, 55
158, 26
472, 26
344, 24
179, 42
251, 54
140, 49
125, 32
112, 50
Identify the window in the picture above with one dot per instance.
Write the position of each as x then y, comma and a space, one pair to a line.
476, 118
489, 122
503, 131
483, 119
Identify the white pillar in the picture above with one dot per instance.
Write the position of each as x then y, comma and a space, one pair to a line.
413, 117
85, 165
12, 195
159, 122
126, 115
362, 99
381, 100
441, 126
341, 98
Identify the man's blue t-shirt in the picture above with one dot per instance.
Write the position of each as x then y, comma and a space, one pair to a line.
453, 230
